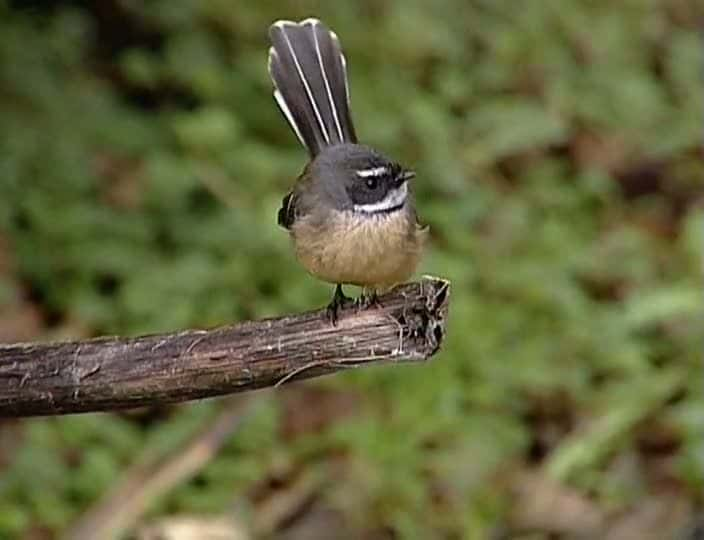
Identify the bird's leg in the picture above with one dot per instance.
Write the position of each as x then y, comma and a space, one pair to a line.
339, 300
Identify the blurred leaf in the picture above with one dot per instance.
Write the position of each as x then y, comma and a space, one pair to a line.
558, 150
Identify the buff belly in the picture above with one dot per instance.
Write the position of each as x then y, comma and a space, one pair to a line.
375, 251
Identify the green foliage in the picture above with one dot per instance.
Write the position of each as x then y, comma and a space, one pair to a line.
558, 148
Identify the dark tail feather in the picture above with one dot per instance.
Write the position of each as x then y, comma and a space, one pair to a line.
308, 69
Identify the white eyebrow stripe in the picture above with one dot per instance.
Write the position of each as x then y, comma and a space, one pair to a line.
309, 94
395, 197
314, 23
375, 171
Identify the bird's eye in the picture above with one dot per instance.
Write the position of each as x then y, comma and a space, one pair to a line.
372, 182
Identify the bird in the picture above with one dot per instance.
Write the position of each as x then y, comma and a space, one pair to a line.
351, 213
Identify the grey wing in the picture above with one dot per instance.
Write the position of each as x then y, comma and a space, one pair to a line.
287, 212
300, 202
295, 205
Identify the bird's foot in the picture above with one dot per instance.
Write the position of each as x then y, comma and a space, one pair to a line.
367, 299
338, 302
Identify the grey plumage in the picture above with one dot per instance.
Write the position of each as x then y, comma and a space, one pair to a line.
308, 69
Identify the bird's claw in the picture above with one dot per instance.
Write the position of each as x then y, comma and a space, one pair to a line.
367, 300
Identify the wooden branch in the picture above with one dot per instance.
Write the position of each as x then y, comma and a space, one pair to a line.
106, 374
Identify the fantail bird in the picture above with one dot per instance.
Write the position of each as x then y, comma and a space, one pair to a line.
351, 213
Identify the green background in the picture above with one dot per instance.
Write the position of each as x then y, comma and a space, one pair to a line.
559, 153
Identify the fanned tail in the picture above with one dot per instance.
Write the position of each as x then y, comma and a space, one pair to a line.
309, 73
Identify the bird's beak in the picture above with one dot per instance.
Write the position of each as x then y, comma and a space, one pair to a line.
405, 176
408, 175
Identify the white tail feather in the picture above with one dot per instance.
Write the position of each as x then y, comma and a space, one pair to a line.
281, 102
334, 37
309, 93
333, 108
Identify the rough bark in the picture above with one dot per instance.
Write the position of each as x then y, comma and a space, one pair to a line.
113, 373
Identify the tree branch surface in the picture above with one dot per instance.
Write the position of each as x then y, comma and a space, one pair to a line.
112, 373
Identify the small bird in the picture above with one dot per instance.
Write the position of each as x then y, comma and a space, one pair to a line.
351, 213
